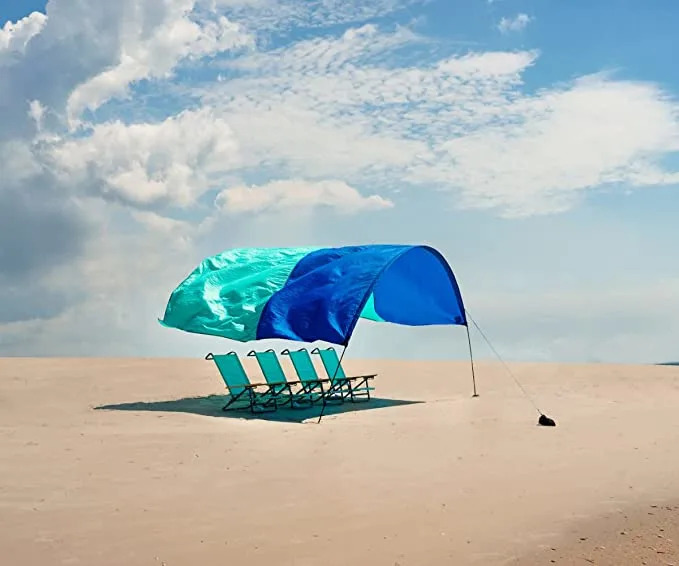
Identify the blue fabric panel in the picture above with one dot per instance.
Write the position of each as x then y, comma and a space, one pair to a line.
329, 288
419, 289
325, 294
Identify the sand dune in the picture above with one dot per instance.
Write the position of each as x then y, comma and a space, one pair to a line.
131, 462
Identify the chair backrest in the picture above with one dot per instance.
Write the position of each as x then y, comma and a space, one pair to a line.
301, 361
270, 366
331, 363
232, 371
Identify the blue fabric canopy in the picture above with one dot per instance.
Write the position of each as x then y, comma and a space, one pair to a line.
310, 294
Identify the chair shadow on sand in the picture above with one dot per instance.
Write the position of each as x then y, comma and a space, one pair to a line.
211, 406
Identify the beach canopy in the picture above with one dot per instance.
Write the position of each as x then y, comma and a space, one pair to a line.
310, 294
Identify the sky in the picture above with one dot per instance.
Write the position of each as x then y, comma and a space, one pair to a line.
534, 143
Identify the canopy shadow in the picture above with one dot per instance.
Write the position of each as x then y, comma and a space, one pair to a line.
211, 406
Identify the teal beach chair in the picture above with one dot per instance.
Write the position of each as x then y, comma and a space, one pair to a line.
312, 386
243, 393
275, 377
355, 387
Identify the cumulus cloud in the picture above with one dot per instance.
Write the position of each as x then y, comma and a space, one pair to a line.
170, 162
298, 195
79, 56
54, 67
516, 24
153, 53
46, 224
40, 230
14, 36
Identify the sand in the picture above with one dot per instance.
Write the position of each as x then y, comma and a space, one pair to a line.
121, 461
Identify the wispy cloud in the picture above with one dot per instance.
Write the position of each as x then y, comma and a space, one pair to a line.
281, 15
462, 123
516, 24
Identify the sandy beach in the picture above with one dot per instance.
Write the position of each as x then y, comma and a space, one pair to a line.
131, 461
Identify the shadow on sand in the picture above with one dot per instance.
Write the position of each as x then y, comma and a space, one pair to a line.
211, 406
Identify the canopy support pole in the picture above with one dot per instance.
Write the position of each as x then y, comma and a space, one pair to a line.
471, 360
332, 381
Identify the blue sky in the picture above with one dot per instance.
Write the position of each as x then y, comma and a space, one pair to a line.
535, 144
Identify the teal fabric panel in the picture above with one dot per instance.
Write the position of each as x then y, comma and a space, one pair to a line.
369, 312
225, 295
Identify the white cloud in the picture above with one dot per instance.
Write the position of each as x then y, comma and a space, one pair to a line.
161, 224
37, 112
321, 55
515, 24
555, 145
178, 35
282, 15
335, 107
298, 194
340, 106
14, 36
170, 162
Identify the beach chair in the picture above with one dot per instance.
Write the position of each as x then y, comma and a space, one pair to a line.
243, 393
355, 387
279, 386
312, 386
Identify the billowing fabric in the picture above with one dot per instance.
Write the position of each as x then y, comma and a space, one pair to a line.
310, 294
225, 295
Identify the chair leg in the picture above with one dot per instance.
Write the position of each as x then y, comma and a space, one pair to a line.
303, 397
269, 404
336, 392
359, 398
287, 388
235, 398
364, 390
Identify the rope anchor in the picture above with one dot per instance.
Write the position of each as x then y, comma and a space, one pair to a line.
543, 419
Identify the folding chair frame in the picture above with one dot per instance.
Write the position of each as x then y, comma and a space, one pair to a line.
355, 387
257, 402
308, 386
276, 389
